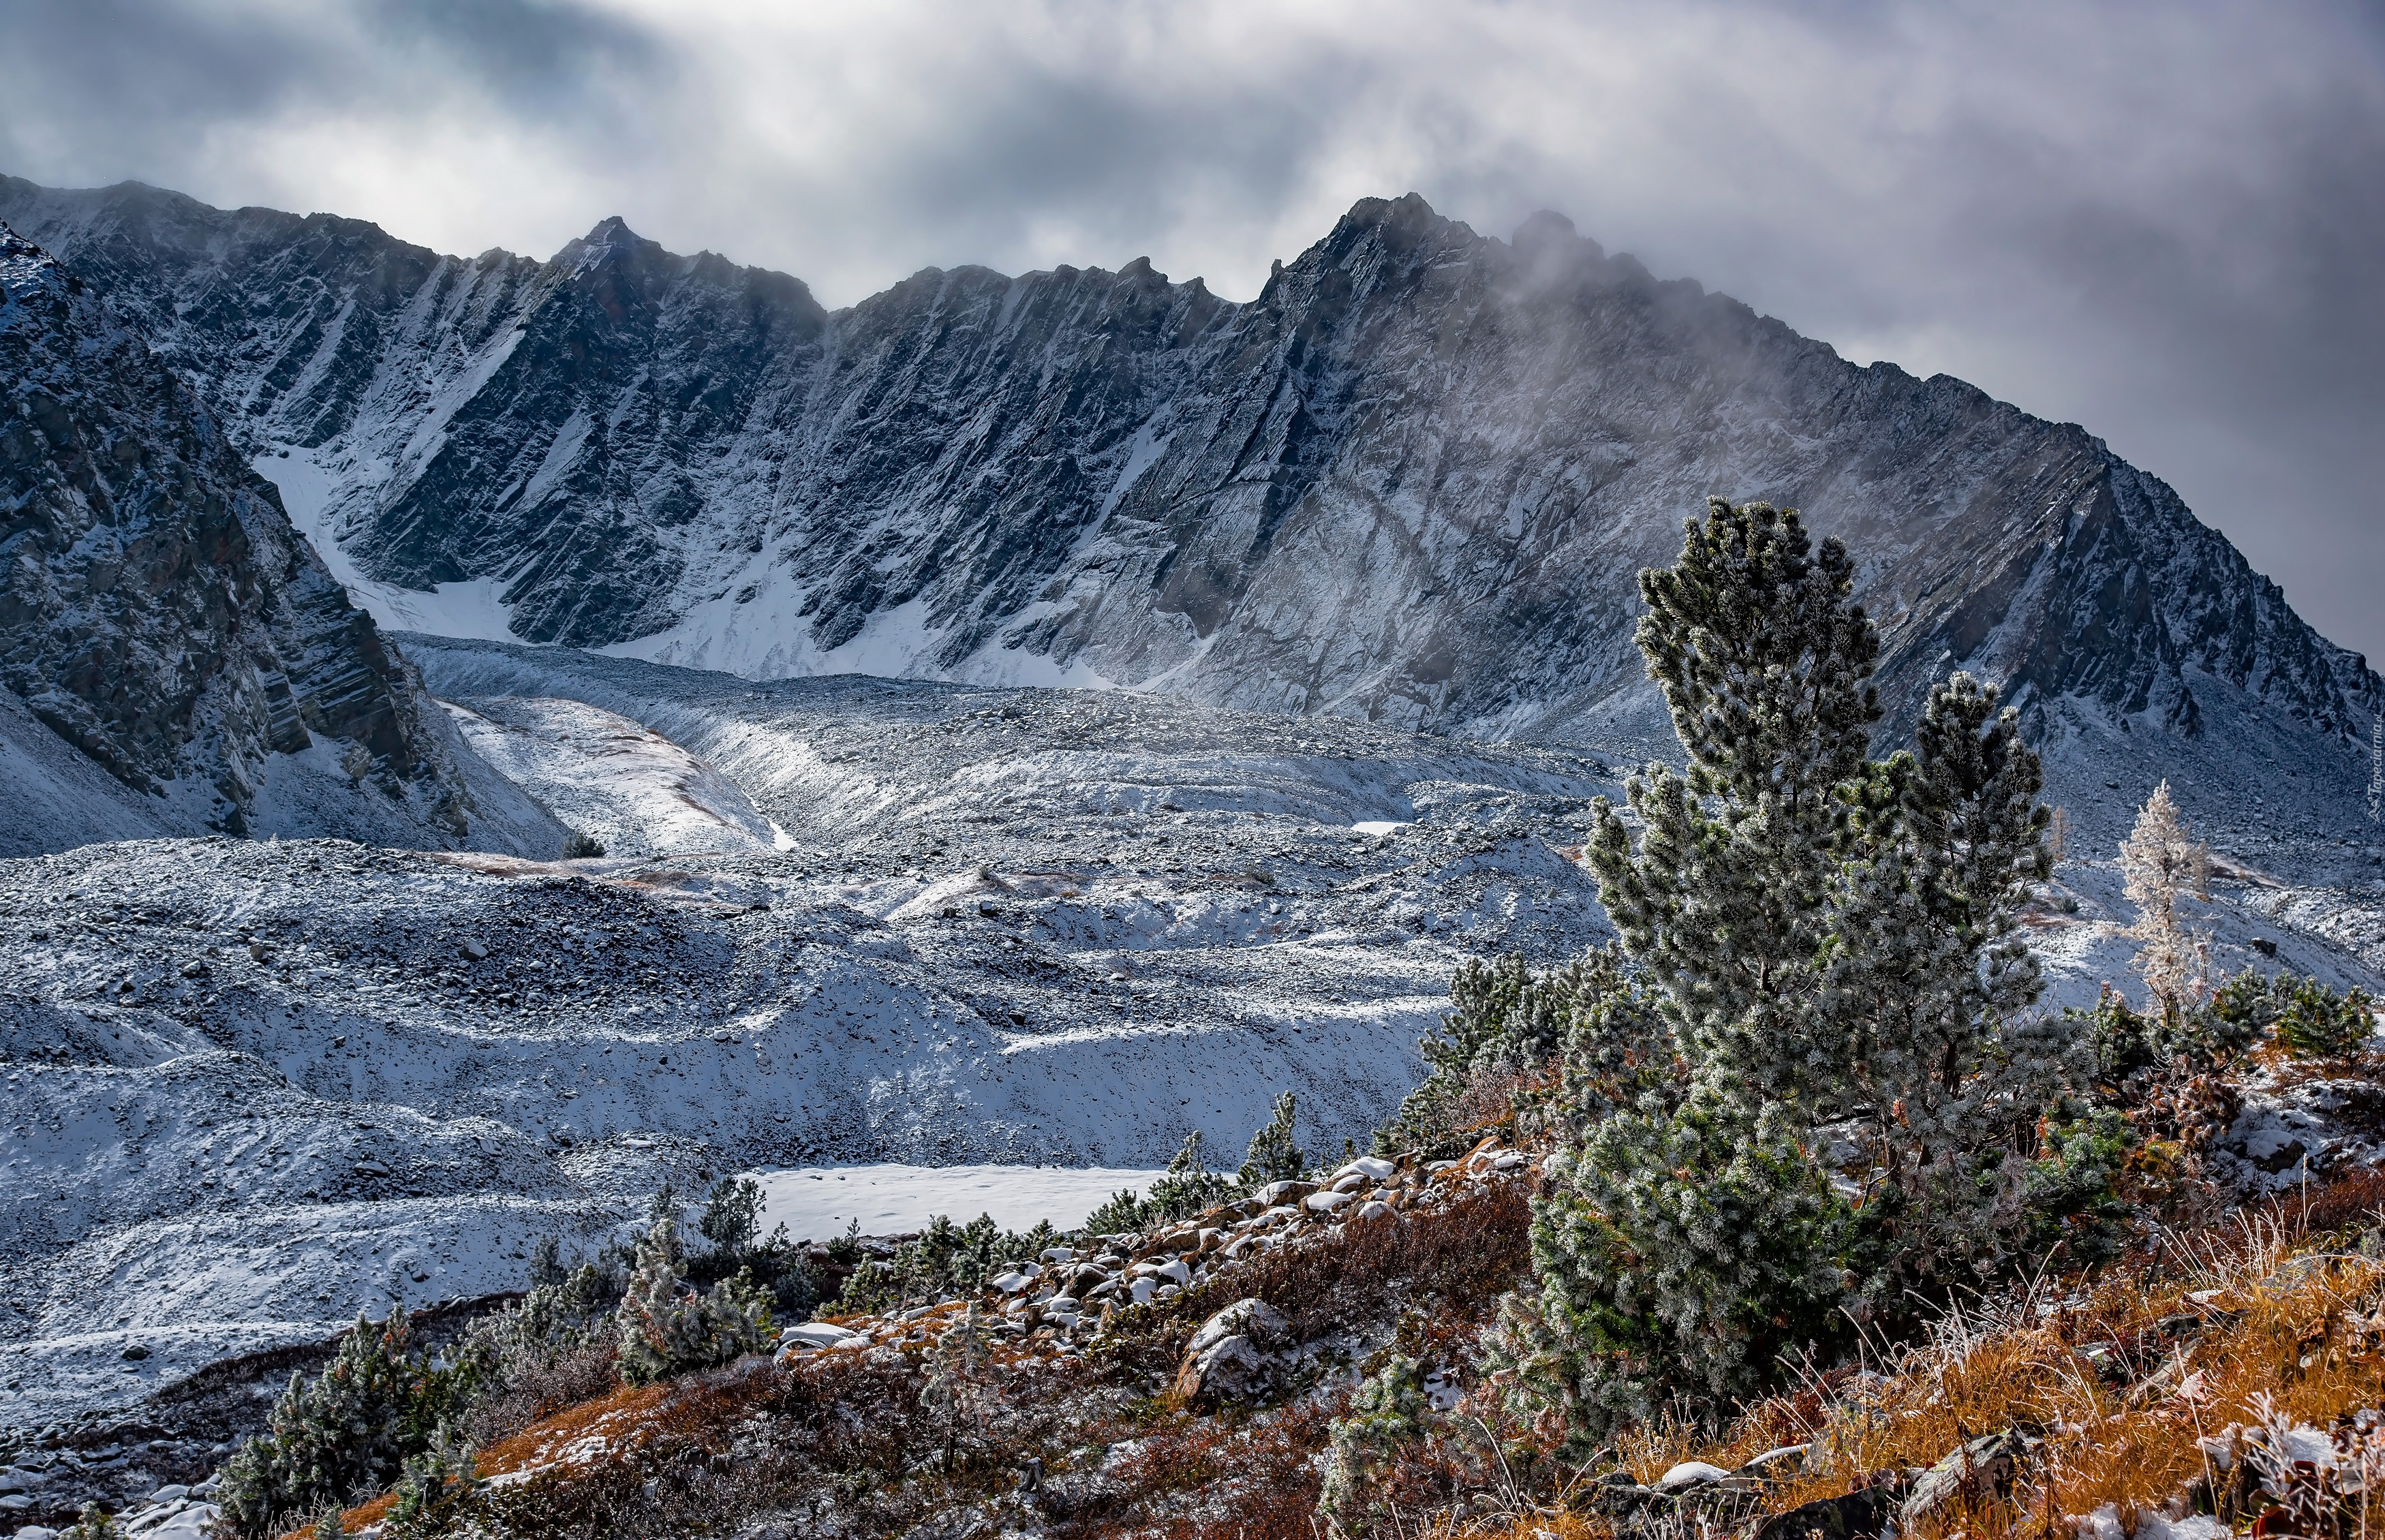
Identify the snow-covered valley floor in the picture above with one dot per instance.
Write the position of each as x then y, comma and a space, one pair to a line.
256, 1087
253, 1088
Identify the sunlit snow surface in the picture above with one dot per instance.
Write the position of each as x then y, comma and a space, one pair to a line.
819, 1203
634, 790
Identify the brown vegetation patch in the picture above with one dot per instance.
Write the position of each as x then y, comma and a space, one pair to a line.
1459, 1253
2109, 1386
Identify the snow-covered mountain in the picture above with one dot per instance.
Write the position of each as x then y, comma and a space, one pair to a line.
1411, 481
949, 917
165, 625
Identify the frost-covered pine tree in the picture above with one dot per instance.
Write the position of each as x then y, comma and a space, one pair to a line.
1814, 931
340, 1436
1945, 1067
2161, 863
1386, 1416
667, 1328
1273, 1155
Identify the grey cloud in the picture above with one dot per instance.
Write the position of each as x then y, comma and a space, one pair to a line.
152, 89
2158, 220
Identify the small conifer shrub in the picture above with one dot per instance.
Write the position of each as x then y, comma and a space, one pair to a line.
344, 1434
2314, 1021
668, 1328
1186, 1188
1386, 1416
1817, 938
95, 1523
437, 1489
1273, 1156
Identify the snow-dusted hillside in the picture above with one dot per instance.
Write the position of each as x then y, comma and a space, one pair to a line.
193, 663
255, 1087
1410, 482
278, 1082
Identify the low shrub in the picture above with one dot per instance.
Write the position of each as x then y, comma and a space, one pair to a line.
345, 1433
2313, 1021
1187, 1188
1273, 1154
1386, 1416
2309, 1019
731, 1222
667, 1328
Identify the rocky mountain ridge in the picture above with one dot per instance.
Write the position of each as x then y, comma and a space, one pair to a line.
1410, 481
159, 615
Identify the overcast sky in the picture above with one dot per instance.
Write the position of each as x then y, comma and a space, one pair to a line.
2164, 220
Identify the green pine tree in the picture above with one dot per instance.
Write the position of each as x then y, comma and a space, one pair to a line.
667, 1328
343, 1435
1272, 1155
1816, 934
1386, 1416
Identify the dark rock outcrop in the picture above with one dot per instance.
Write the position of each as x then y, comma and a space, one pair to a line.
158, 613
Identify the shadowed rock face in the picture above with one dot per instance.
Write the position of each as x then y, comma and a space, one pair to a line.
1411, 481
158, 612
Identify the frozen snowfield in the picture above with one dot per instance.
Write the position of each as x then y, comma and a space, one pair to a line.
634, 790
891, 1199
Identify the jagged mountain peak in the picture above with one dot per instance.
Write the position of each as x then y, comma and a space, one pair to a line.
1412, 481
612, 229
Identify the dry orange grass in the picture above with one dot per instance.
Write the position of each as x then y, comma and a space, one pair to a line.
2119, 1379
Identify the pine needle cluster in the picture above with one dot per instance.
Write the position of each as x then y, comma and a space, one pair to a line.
667, 1328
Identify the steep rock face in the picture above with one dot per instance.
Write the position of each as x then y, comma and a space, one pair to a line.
1411, 481
158, 613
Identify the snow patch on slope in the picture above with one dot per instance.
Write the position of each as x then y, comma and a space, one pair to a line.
885, 1200
637, 791
312, 493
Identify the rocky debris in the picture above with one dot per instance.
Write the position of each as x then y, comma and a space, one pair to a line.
811, 1335
1859, 1515
1689, 1474
2297, 1123
1239, 1351
1974, 1471
313, 1096
46, 1488
1232, 1369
